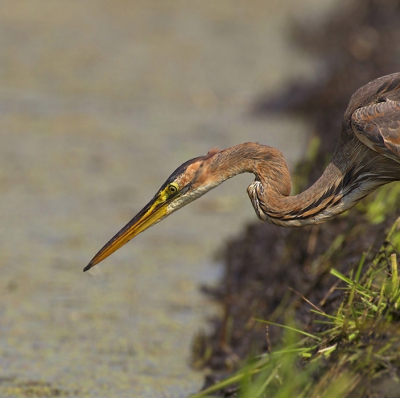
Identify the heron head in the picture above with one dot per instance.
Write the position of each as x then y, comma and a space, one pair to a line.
188, 182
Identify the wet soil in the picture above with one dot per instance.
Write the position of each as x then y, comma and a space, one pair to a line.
267, 269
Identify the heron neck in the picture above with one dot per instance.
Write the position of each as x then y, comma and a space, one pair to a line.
354, 172
321, 202
265, 162
346, 180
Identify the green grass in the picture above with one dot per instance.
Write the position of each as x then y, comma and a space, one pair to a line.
356, 349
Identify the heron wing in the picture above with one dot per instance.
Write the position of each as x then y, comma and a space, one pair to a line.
378, 126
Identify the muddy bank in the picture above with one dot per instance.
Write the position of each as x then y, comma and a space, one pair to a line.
266, 266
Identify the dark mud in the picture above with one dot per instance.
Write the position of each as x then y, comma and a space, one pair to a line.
269, 268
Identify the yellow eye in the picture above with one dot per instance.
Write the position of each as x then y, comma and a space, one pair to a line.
173, 189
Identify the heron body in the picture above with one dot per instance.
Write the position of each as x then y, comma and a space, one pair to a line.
367, 156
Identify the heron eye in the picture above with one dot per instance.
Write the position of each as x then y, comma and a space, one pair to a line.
172, 189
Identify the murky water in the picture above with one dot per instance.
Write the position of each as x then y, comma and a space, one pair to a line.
99, 102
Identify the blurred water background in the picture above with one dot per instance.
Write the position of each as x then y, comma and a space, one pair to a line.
99, 102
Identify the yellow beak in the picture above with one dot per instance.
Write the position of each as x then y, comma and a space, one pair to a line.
154, 212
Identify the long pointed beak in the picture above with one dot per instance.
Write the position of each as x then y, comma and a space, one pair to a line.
154, 212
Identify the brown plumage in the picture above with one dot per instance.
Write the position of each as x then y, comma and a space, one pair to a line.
366, 157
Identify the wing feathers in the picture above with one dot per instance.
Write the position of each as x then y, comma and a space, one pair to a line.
378, 127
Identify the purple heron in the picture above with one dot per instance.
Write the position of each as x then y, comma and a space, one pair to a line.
366, 157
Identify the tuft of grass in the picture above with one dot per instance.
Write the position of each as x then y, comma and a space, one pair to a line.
355, 352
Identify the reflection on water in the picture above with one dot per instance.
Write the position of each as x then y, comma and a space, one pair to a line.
99, 102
